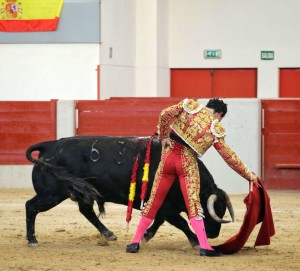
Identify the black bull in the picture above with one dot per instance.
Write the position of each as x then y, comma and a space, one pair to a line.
88, 169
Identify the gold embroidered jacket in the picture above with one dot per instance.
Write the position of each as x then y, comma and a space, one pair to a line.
195, 124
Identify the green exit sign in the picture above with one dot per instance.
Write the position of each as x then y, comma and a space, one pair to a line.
267, 55
212, 54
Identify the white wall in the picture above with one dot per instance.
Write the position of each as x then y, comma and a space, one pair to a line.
117, 49
146, 48
15, 176
137, 33
163, 71
243, 127
241, 29
65, 118
148, 37
48, 71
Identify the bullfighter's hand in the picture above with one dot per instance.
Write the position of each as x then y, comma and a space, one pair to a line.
167, 142
254, 180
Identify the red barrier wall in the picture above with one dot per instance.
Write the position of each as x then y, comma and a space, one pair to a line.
281, 144
121, 116
23, 124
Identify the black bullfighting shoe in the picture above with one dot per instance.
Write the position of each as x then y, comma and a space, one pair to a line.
210, 253
133, 248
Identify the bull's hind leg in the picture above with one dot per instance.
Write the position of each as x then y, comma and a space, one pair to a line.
34, 206
88, 211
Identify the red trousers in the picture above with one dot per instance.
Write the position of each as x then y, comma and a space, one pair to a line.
178, 162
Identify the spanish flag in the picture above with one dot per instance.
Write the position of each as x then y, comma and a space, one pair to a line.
29, 15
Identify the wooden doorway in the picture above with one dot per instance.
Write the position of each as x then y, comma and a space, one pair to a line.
289, 85
207, 83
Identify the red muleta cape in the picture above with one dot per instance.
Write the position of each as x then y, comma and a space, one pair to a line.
258, 210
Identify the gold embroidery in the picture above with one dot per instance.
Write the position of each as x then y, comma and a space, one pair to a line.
191, 106
165, 118
198, 128
157, 179
217, 129
195, 130
192, 180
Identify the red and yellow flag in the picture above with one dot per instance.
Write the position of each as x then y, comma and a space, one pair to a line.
29, 15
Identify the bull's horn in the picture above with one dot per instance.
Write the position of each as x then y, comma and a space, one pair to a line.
229, 206
210, 207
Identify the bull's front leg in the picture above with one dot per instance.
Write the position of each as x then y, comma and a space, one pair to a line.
180, 223
151, 231
176, 220
88, 211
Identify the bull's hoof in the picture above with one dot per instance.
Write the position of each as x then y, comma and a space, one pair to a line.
194, 244
109, 236
33, 244
148, 236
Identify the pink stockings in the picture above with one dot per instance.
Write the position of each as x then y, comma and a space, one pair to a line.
178, 162
198, 226
141, 229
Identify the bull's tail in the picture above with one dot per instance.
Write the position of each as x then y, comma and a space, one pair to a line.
79, 188
41, 148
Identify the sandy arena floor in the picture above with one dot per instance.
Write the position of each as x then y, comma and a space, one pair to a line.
68, 242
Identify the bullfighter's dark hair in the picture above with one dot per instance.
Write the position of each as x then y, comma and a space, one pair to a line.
218, 106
